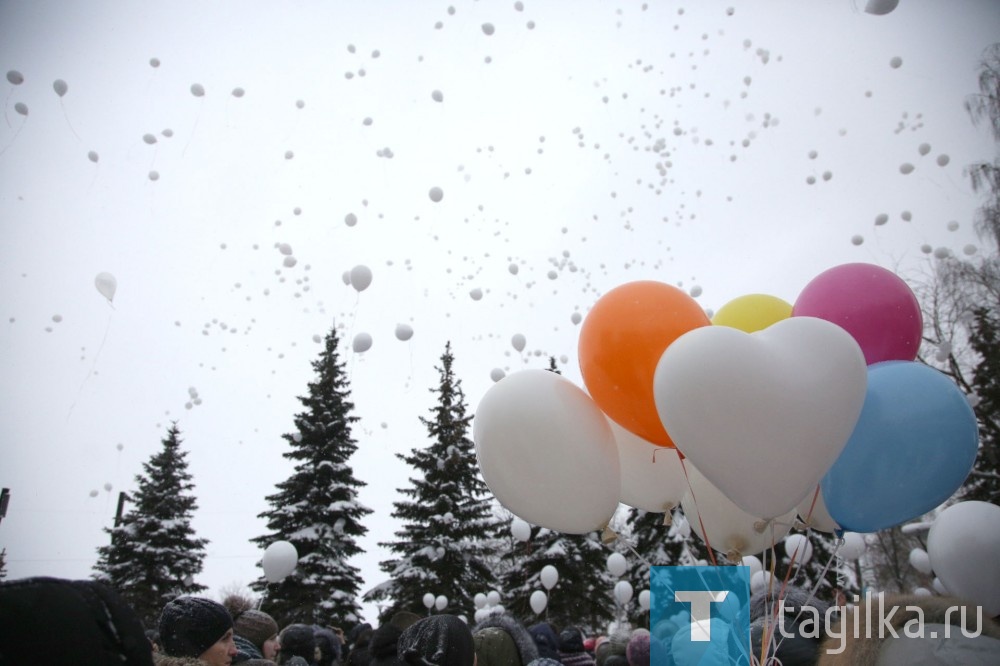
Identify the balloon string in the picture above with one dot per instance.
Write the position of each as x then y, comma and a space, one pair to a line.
92, 365
711, 553
13, 138
68, 123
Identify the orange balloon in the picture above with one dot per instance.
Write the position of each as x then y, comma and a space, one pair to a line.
621, 342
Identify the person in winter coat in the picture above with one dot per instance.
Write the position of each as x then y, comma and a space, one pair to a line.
501, 640
546, 640
382, 649
614, 645
51, 621
437, 640
195, 627
327, 645
953, 632
800, 648
571, 648
298, 645
256, 634
637, 650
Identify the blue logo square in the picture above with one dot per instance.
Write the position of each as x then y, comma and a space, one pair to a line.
699, 616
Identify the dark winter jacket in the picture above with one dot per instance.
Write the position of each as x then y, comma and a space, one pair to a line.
546, 640
493, 649
56, 621
437, 640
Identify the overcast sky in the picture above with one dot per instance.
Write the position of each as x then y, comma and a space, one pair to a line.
724, 147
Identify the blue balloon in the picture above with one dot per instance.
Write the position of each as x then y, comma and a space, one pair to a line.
912, 448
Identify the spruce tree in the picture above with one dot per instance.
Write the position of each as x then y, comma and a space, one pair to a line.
316, 508
443, 546
3, 563
984, 481
154, 554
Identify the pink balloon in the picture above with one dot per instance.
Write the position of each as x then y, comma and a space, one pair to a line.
871, 303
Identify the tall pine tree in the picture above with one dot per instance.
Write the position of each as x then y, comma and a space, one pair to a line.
154, 554
316, 508
984, 481
441, 548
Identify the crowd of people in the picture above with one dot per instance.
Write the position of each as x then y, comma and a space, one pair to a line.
54, 621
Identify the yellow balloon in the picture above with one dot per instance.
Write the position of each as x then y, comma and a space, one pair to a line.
753, 312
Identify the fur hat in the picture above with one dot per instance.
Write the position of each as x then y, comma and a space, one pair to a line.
637, 650
191, 625
255, 626
545, 640
437, 640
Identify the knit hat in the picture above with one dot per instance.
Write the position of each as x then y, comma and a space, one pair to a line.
437, 640
297, 640
637, 650
256, 626
191, 625
495, 647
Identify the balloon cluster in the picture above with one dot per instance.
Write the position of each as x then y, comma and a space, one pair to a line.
768, 413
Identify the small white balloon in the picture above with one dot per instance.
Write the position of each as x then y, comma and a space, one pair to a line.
623, 592
538, 600
754, 563
93, 156
760, 581
479, 600
549, 576
921, 561
436, 194
492, 598
617, 564
441, 602
939, 587
60, 87
197, 90
518, 341
280, 559
361, 277
362, 343
429, 601
797, 546
853, 547
404, 332
644, 600
106, 285
496, 374
520, 529
476, 294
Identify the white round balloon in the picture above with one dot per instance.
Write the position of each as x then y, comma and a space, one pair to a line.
549, 576
404, 332
520, 530
538, 601
963, 544
623, 592
617, 564
441, 602
280, 559
492, 598
921, 561
797, 547
106, 285
362, 342
361, 277
429, 601
760, 581
479, 600
853, 547
754, 563
518, 341
644, 600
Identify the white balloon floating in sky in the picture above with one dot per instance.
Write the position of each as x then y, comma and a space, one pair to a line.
436, 194
518, 341
496, 374
896, 62
906, 168
924, 148
350, 219
238, 92
93, 156
623, 592
106, 285
404, 332
60, 87
361, 277
362, 342
15, 77
880, 7
513, 269
149, 138
197, 90
617, 564
576, 317
881, 219
644, 600
21, 108
280, 559
520, 529
797, 546
488, 29
538, 601
476, 294
853, 547
437, 96
93, 493
428, 601
942, 160
857, 239
549, 576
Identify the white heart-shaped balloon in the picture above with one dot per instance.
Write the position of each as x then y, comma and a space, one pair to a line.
763, 415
